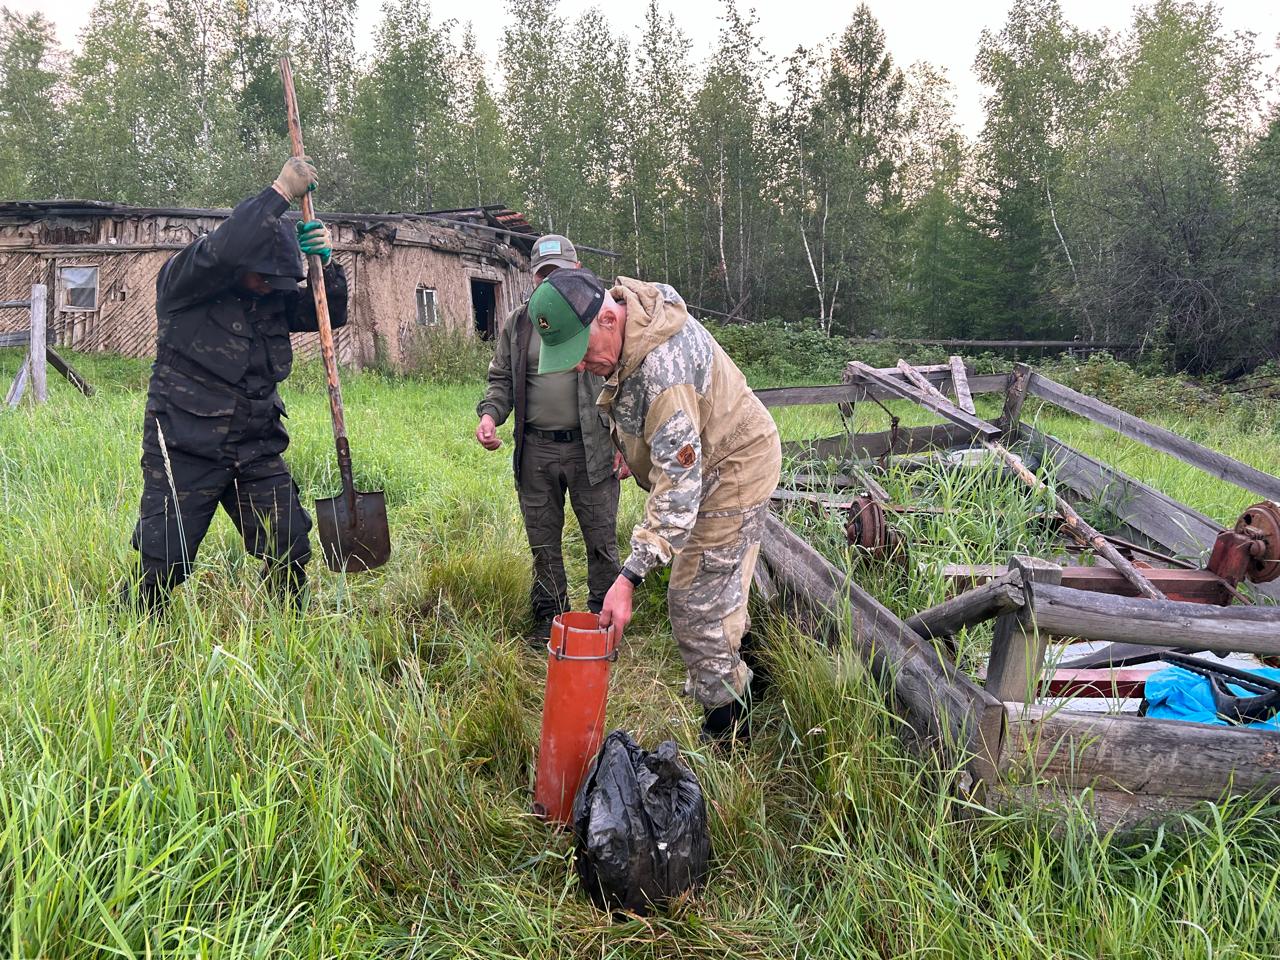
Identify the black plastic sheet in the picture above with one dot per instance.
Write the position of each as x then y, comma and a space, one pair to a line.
640, 826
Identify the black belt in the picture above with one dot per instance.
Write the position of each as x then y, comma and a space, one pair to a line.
555, 436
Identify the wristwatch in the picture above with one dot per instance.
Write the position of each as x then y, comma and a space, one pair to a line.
635, 578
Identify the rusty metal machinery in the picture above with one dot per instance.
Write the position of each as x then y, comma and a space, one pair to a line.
1251, 550
867, 528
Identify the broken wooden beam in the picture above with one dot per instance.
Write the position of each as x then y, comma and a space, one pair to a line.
853, 392
939, 702
872, 446
72, 375
960, 385
911, 391
1157, 438
991, 599
1064, 612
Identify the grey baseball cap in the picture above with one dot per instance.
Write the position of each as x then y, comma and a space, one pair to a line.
553, 250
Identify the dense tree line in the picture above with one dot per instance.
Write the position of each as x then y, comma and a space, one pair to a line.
1123, 187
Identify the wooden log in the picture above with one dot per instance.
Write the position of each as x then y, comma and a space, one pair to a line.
36, 350
73, 375
960, 384
844, 393
997, 596
1158, 438
763, 583
15, 304
1018, 648
15, 338
1014, 396
939, 702
1159, 623
910, 391
1190, 586
1140, 756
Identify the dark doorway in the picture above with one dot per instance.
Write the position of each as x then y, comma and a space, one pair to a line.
484, 302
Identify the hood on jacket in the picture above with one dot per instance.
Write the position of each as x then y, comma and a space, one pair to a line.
655, 314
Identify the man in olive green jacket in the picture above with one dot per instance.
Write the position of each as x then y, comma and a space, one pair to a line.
702, 445
562, 446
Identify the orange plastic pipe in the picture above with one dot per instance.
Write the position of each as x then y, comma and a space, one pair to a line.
579, 658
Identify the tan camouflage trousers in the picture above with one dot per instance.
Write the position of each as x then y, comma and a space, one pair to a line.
707, 600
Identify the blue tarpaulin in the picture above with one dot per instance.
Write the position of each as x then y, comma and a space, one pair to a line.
1177, 694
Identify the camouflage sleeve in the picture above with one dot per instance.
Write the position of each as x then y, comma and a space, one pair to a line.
499, 395
675, 479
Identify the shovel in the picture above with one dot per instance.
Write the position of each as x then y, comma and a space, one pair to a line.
353, 525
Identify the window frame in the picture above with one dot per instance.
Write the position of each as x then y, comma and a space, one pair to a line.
63, 289
420, 303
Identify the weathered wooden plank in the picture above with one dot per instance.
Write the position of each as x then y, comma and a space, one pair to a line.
991, 599
1017, 647
1191, 586
960, 385
1014, 396
943, 408
1158, 438
1160, 623
13, 304
1004, 344
15, 338
73, 375
14, 396
36, 357
853, 392
939, 702
1140, 755
872, 446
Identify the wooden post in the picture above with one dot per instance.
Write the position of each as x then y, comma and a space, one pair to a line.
960, 384
35, 353
1017, 649
1014, 395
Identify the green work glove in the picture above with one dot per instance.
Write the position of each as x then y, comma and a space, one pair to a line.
313, 238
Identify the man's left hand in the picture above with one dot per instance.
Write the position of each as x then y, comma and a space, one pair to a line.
314, 239
620, 468
616, 611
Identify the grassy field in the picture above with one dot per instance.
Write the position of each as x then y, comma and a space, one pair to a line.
236, 781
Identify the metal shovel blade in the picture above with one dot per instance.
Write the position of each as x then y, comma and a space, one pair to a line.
354, 541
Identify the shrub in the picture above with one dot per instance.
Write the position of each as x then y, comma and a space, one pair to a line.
445, 355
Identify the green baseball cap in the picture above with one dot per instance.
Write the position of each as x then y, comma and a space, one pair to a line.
561, 310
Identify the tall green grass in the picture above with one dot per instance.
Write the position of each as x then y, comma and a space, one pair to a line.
353, 781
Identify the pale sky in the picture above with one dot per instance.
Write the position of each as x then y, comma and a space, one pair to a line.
943, 32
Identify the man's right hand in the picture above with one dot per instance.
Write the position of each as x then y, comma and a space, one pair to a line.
297, 176
487, 433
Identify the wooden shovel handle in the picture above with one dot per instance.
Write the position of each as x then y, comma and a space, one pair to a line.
315, 275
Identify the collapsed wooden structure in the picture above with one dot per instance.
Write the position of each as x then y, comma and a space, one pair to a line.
1006, 747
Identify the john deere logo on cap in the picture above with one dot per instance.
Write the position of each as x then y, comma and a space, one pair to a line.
542, 324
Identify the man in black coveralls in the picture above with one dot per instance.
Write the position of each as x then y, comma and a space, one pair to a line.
212, 432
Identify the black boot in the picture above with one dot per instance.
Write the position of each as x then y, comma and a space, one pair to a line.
726, 725
540, 635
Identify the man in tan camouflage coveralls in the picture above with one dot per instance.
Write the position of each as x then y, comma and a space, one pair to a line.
702, 445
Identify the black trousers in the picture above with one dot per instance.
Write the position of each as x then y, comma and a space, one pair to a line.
245, 475
548, 471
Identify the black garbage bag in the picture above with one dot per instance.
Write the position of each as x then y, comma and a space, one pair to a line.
639, 826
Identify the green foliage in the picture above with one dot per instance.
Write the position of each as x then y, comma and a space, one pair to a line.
1122, 187
445, 355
